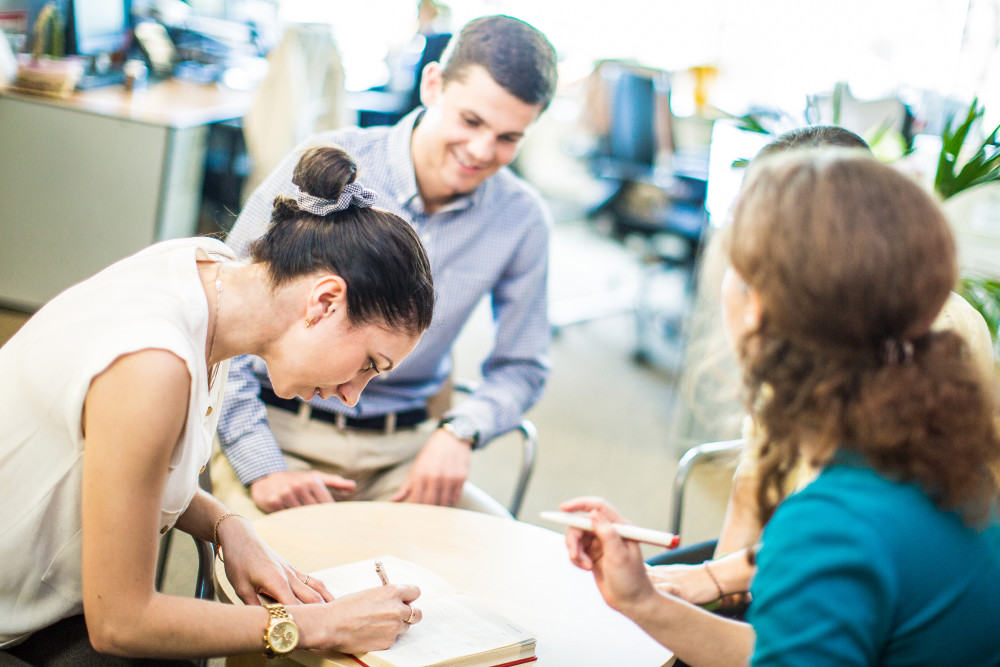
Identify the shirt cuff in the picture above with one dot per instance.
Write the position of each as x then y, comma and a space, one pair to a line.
254, 456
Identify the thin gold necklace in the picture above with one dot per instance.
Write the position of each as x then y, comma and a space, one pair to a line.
215, 328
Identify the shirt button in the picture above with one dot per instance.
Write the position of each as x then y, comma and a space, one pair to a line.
163, 531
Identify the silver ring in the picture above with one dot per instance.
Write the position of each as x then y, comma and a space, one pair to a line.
413, 614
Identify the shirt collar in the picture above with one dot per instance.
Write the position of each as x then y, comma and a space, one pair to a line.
401, 159
404, 173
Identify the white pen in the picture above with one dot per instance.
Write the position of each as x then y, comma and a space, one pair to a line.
629, 532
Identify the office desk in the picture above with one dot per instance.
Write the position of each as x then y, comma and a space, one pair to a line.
520, 570
89, 179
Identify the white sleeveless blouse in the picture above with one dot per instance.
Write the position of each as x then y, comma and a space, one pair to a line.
151, 300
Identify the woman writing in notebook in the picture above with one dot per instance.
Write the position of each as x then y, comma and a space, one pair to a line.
108, 400
838, 267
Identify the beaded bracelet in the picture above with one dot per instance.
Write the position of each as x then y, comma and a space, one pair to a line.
215, 534
715, 581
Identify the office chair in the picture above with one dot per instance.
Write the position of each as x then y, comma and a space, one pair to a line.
661, 207
205, 579
302, 93
648, 201
204, 584
705, 453
390, 106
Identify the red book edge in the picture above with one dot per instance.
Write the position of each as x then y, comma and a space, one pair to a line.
520, 661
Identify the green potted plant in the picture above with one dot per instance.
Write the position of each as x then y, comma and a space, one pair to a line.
982, 167
955, 175
46, 71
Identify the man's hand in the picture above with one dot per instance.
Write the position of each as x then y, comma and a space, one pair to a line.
438, 473
281, 490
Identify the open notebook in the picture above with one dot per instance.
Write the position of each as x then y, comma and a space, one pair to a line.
456, 630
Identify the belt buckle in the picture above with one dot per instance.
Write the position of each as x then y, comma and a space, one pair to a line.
390, 423
305, 413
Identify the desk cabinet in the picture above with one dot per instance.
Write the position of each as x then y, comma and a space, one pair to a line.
83, 186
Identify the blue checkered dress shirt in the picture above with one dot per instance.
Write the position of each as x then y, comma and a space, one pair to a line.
493, 242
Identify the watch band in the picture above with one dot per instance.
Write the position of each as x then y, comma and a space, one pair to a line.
276, 614
462, 429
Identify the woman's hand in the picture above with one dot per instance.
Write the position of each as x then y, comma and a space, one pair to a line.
616, 563
369, 620
688, 582
253, 567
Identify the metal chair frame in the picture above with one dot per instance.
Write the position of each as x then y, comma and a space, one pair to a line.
708, 452
529, 448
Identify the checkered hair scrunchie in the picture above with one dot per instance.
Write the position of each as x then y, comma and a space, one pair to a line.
353, 194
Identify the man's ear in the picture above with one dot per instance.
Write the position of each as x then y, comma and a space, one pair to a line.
431, 83
328, 295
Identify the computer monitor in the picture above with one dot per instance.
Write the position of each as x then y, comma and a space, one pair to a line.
97, 27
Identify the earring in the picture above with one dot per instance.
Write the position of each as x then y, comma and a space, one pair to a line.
309, 323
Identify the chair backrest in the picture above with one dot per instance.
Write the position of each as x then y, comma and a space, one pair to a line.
635, 101
434, 46
303, 93
633, 126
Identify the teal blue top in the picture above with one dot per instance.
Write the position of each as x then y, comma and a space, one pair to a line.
856, 569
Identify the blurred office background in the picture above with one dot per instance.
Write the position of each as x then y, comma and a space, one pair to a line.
635, 157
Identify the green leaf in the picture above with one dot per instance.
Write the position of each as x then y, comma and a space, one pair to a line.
751, 123
982, 167
983, 294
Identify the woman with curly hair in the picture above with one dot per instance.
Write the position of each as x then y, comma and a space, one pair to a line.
838, 267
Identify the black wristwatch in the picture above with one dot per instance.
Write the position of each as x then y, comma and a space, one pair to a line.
461, 428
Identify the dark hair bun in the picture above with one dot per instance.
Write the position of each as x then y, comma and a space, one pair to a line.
323, 171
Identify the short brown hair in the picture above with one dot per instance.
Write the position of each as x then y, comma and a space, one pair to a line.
812, 136
516, 55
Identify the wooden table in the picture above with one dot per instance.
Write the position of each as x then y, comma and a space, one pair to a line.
519, 569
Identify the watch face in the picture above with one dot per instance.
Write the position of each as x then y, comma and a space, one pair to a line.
283, 636
462, 429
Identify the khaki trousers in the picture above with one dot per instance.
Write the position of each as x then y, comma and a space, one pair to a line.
377, 462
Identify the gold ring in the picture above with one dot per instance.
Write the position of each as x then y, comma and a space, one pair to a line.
413, 614
307, 580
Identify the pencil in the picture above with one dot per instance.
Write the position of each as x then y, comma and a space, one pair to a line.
380, 571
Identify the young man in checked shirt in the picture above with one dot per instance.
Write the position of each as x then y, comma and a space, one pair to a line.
443, 168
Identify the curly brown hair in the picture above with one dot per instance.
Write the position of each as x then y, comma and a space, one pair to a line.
851, 258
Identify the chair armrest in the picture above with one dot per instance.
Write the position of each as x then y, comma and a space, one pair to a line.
205, 583
529, 448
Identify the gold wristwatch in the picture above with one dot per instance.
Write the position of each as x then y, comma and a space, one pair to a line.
281, 635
